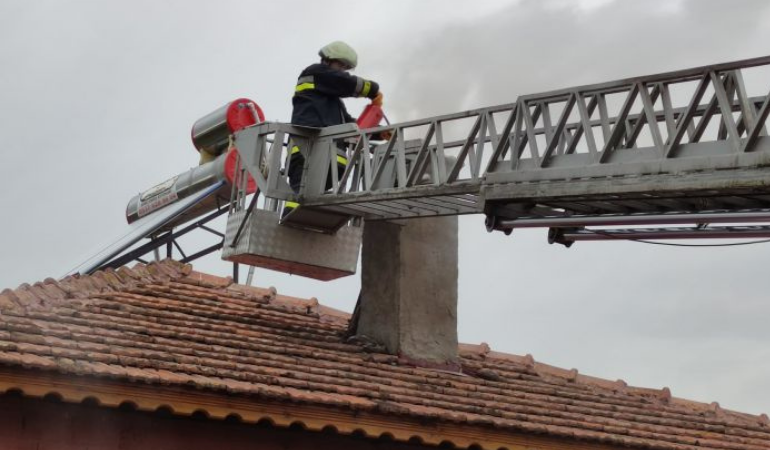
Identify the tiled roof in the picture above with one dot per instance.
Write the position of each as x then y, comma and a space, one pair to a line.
164, 324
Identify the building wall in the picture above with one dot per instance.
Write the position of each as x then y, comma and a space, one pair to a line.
41, 424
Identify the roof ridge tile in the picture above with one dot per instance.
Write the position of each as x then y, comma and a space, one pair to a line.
252, 292
126, 273
474, 351
527, 360
206, 280
9, 300
547, 370
54, 289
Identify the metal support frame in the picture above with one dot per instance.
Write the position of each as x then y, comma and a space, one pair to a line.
169, 239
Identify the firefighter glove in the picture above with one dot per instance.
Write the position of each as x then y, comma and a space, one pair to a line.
377, 100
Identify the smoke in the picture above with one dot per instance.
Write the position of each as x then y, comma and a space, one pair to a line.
535, 46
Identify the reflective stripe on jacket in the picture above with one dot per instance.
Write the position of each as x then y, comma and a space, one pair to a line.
342, 154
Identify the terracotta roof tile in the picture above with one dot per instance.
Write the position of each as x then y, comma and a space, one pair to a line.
166, 324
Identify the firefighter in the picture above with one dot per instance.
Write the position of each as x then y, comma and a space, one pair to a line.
318, 102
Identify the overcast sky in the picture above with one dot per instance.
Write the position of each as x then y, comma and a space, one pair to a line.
97, 99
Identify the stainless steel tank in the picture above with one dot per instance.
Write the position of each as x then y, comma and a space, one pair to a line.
176, 188
188, 183
212, 131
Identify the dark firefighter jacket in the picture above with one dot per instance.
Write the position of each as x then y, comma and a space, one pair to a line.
317, 97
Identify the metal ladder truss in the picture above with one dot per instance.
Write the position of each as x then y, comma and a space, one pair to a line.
681, 142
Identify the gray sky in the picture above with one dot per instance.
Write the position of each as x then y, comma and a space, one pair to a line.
97, 100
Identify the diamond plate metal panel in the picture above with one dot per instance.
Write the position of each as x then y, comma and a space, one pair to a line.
264, 243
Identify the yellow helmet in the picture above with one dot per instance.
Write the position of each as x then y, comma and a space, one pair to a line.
340, 51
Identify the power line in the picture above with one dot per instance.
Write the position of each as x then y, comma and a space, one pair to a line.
672, 244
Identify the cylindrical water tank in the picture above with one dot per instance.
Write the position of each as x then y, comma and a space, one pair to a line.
212, 131
186, 184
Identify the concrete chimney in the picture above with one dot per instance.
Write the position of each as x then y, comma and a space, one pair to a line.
409, 289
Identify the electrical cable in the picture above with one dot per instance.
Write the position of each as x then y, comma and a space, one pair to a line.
672, 244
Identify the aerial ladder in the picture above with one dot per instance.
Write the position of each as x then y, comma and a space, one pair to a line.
677, 155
